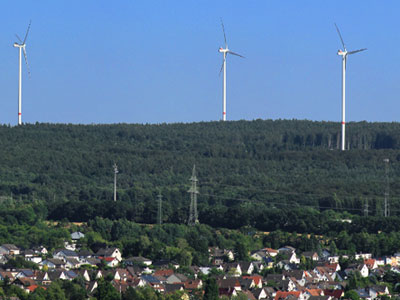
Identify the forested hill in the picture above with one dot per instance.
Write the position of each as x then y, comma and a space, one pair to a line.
242, 167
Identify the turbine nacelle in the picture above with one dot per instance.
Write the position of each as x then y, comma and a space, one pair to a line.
222, 50
342, 53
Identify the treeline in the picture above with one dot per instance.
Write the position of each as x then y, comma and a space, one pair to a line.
242, 167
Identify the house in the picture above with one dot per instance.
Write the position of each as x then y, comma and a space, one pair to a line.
110, 261
43, 278
84, 273
152, 281
363, 256
91, 261
362, 268
72, 263
233, 269
336, 294
26, 273
324, 274
311, 255
138, 260
286, 249
53, 263
77, 235
40, 250
310, 293
271, 252
164, 272
228, 292
246, 283
293, 259
9, 249
286, 265
62, 254
258, 255
191, 285
176, 278
246, 267
260, 293
57, 274
110, 252
371, 263
334, 259
91, 286
70, 274
288, 295
165, 264
229, 283
332, 267
217, 255
82, 254
296, 276
379, 290
257, 280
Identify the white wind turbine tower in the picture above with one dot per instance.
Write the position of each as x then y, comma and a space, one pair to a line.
21, 46
344, 54
225, 52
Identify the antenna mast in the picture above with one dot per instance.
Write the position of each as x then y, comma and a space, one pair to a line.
193, 216
387, 206
115, 181
159, 213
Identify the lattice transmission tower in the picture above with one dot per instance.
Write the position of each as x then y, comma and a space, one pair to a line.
193, 216
387, 188
159, 212
115, 180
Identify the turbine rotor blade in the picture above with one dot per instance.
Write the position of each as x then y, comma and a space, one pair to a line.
235, 54
222, 67
26, 61
19, 39
338, 31
223, 29
356, 51
27, 31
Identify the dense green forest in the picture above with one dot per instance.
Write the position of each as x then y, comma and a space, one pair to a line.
251, 173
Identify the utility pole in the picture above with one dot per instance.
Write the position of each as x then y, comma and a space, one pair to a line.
387, 206
159, 213
115, 181
366, 208
193, 216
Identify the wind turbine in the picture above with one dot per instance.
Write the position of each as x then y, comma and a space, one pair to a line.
344, 54
21, 46
225, 52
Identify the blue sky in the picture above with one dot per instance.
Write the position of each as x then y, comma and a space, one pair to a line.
157, 61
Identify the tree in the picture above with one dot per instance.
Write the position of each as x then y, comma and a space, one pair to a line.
54, 292
105, 291
352, 294
211, 290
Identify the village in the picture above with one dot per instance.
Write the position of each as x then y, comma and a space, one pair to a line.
278, 274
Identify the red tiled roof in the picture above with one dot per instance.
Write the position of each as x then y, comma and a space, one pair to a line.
369, 262
314, 292
165, 273
271, 250
283, 295
32, 288
257, 279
